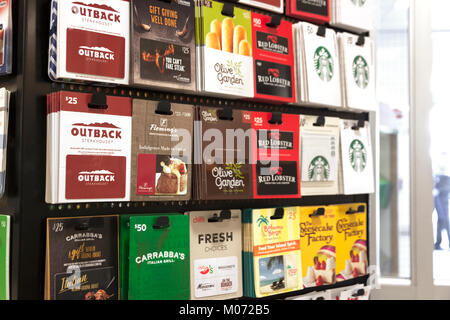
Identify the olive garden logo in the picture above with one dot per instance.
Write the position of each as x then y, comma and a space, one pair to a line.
319, 169
358, 155
361, 72
324, 64
359, 3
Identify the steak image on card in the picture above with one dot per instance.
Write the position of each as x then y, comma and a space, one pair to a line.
163, 44
82, 258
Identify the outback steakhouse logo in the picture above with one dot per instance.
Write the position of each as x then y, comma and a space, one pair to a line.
100, 54
94, 177
96, 11
96, 130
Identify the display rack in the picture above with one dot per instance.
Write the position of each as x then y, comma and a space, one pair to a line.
26, 170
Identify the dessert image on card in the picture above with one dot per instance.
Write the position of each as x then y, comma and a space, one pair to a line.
161, 151
82, 258
224, 43
351, 235
163, 44
318, 242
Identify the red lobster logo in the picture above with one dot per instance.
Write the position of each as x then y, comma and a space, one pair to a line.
274, 72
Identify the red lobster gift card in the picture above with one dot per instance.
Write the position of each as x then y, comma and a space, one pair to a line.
317, 11
276, 156
273, 59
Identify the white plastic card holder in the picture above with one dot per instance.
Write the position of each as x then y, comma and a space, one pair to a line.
322, 66
359, 72
357, 158
319, 155
357, 292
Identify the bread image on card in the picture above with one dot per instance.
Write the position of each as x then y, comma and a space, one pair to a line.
173, 179
225, 36
324, 270
356, 266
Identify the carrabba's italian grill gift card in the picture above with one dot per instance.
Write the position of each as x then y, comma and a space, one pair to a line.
161, 151
82, 258
276, 153
163, 44
159, 258
88, 148
273, 54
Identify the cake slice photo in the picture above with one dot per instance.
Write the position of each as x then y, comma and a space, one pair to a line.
356, 266
324, 270
172, 177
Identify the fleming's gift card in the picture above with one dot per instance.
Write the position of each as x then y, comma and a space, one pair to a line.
82, 258
161, 158
351, 230
163, 43
318, 243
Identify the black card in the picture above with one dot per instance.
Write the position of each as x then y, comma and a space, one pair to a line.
273, 79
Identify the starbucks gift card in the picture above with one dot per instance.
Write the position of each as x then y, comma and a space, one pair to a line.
273, 53
318, 243
224, 45
5, 235
82, 258
216, 254
159, 258
163, 44
223, 154
161, 161
320, 58
89, 41
319, 153
351, 241
88, 147
272, 259
276, 153
353, 15
358, 61
356, 158
309, 10
270, 5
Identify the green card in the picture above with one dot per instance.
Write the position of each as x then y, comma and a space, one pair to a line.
159, 258
4, 257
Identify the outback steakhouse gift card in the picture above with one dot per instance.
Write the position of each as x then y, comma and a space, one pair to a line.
163, 44
273, 59
90, 41
88, 148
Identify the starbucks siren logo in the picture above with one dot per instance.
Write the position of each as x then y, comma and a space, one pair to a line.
324, 64
319, 169
361, 72
359, 3
358, 155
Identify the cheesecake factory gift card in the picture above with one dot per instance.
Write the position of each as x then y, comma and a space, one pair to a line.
163, 44
161, 158
82, 258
